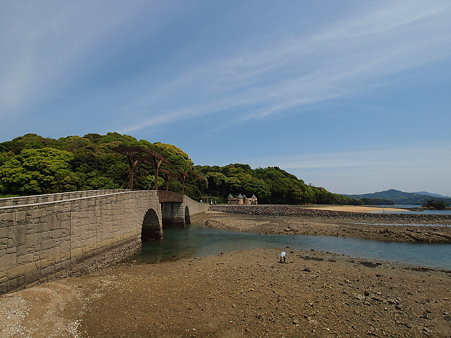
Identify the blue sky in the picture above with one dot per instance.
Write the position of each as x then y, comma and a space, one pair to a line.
354, 96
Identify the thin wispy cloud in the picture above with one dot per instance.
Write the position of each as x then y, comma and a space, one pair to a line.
409, 168
432, 155
47, 45
337, 61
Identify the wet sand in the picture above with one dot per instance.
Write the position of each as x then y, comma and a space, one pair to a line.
242, 293
245, 293
328, 226
351, 208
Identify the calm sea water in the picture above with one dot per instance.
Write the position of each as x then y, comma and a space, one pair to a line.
199, 241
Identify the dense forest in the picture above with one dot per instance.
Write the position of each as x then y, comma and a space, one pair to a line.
32, 164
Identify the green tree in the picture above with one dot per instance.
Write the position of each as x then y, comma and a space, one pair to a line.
435, 204
36, 171
149, 182
178, 158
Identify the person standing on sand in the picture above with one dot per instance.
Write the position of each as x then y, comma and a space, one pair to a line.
283, 257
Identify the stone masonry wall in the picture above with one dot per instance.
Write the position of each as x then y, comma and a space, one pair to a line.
54, 197
290, 210
42, 241
194, 206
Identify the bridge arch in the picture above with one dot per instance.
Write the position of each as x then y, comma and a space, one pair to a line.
151, 227
187, 216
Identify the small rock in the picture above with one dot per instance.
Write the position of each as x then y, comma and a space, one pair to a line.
359, 297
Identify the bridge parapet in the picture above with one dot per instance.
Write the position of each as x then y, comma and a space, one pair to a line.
33, 199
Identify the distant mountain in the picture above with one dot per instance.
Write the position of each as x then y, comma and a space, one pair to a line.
431, 194
401, 197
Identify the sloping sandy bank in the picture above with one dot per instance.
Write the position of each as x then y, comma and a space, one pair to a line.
249, 293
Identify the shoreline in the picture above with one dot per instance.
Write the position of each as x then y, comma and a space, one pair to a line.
313, 222
350, 208
299, 210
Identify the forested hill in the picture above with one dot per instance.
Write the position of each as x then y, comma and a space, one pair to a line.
400, 197
32, 164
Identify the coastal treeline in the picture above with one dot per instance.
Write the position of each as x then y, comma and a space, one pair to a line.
271, 185
32, 164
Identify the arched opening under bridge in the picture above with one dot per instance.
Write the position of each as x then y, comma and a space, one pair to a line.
187, 216
151, 228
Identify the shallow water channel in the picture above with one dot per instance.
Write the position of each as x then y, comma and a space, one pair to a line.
198, 241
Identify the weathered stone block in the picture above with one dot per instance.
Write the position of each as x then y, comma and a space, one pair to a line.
28, 258
21, 250
7, 219
8, 262
48, 270
20, 236
22, 215
4, 232
3, 244
32, 277
76, 252
11, 250
47, 243
32, 240
3, 278
15, 272
52, 221
10, 284
39, 212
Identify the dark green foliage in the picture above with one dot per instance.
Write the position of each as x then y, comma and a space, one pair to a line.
149, 182
38, 171
271, 185
377, 201
435, 204
32, 164
175, 155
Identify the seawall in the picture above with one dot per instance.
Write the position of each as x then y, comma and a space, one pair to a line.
287, 210
45, 240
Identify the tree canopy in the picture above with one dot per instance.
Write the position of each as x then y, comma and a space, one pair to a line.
32, 164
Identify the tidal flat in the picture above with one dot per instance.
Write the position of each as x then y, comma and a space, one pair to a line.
393, 228
239, 294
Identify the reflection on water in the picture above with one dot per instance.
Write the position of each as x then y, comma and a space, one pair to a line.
198, 241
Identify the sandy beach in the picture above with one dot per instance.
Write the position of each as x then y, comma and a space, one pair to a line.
351, 208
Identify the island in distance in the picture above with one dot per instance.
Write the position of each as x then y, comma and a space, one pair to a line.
402, 198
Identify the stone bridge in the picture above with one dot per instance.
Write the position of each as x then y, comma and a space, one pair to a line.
43, 237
